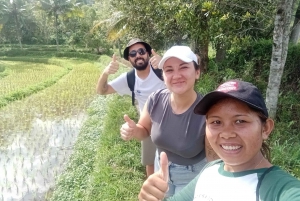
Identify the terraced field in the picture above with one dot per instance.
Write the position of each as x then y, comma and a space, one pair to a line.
43, 104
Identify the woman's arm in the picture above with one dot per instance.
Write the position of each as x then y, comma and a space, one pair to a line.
139, 131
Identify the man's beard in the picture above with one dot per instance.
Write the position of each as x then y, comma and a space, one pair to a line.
140, 66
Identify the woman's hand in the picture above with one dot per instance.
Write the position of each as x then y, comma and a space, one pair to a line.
127, 129
156, 186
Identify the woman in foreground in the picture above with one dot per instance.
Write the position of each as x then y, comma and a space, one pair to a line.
237, 125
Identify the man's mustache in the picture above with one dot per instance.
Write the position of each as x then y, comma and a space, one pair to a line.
138, 59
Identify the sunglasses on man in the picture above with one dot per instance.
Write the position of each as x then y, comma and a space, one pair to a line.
141, 51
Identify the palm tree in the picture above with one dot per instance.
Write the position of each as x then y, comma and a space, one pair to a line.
116, 27
13, 10
58, 8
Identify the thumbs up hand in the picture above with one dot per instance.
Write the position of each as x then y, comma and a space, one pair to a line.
155, 59
164, 166
156, 186
127, 129
113, 66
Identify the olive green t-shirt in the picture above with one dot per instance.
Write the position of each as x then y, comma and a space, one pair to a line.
216, 184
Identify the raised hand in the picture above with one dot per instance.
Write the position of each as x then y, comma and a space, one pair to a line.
155, 59
127, 129
113, 66
156, 186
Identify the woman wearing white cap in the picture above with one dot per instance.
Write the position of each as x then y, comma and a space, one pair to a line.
169, 119
237, 126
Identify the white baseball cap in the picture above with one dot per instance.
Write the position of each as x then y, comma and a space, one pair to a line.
184, 53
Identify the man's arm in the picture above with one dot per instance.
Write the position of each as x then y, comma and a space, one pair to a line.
103, 87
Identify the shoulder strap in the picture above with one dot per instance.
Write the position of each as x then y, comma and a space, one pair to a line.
158, 72
260, 180
131, 81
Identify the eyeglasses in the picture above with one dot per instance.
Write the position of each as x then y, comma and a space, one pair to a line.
141, 51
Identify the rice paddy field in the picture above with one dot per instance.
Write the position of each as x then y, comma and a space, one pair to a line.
43, 103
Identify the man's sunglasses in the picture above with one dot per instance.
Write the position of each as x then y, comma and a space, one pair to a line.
141, 51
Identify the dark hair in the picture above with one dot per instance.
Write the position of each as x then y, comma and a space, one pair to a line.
265, 149
196, 66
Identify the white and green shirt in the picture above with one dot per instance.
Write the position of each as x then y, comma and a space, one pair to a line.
216, 184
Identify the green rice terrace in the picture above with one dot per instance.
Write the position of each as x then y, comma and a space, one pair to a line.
43, 104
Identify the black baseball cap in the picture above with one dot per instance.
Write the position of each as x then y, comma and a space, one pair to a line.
240, 90
135, 41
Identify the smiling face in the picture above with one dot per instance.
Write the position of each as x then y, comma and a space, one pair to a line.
179, 76
236, 134
139, 62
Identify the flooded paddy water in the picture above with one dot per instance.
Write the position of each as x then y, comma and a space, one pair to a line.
33, 158
37, 133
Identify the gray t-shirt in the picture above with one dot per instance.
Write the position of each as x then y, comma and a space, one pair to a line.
181, 136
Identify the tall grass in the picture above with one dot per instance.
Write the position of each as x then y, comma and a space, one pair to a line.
117, 173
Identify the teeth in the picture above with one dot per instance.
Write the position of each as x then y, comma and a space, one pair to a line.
230, 147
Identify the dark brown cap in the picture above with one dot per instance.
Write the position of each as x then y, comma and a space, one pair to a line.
135, 41
240, 90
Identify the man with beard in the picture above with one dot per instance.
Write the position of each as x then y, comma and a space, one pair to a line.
138, 54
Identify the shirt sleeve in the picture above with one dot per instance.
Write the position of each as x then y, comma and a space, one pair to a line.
291, 191
150, 102
278, 185
120, 85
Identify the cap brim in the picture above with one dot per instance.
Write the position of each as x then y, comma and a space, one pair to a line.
208, 100
164, 59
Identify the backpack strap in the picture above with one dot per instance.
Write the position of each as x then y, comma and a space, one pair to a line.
158, 72
260, 180
131, 82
